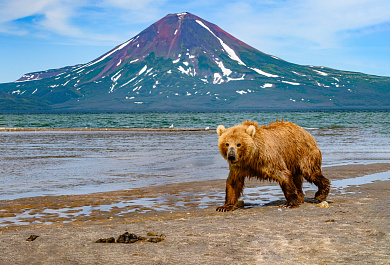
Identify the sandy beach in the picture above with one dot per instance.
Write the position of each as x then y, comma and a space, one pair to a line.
355, 229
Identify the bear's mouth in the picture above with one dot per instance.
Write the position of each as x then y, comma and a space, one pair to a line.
232, 161
232, 158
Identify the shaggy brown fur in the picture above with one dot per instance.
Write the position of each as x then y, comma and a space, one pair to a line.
281, 151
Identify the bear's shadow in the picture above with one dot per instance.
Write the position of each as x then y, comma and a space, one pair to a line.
274, 203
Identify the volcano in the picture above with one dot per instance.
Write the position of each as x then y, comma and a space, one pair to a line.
183, 62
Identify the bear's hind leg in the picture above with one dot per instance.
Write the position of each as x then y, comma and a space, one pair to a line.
322, 183
298, 179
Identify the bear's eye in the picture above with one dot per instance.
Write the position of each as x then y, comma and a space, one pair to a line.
238, 145
227, 144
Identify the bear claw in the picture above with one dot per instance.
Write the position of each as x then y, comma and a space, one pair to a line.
290, 205
225, 208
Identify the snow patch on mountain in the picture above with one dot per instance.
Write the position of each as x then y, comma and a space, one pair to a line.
231, 53
143, 70
266, 85
114, 80
139, 73
236, 79
155, 84
28, 77
262, 72
128, 82
241, 92
298, 73
291, 83
225, 71
189, 71
320, 73
115, 77
149, 71
217, 78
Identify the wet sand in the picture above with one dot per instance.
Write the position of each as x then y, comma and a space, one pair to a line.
355, 229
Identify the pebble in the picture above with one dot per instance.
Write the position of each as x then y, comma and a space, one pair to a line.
323, 204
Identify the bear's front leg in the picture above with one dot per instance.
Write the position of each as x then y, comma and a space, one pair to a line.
291, 194
234, 189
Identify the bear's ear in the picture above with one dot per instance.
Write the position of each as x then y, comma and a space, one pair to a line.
251, 130
220, 129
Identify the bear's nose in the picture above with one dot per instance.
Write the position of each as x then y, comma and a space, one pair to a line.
231, 157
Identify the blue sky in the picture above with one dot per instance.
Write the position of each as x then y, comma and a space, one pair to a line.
351, 35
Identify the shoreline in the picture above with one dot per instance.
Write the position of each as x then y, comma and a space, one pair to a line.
153, 200
353, 230
40, 129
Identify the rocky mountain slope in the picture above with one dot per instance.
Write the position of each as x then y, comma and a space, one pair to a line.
185, 62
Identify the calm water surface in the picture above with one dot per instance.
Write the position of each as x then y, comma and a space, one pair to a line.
54, 163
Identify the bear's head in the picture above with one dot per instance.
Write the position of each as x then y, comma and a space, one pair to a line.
236, 143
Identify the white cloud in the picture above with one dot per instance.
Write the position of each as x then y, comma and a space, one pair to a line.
16, 9
83, 19
319, 24
268, 23
133, 4
58, 19
40, 15
11, 10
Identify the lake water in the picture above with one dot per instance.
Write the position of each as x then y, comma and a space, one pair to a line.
77, 162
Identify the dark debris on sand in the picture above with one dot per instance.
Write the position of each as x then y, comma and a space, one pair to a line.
32, 238
127, 238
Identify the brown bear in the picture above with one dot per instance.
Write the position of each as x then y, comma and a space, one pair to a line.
281, 151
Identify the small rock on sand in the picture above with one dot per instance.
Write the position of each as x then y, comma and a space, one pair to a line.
323, 204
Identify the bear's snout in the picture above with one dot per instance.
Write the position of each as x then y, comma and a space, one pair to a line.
231, 156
